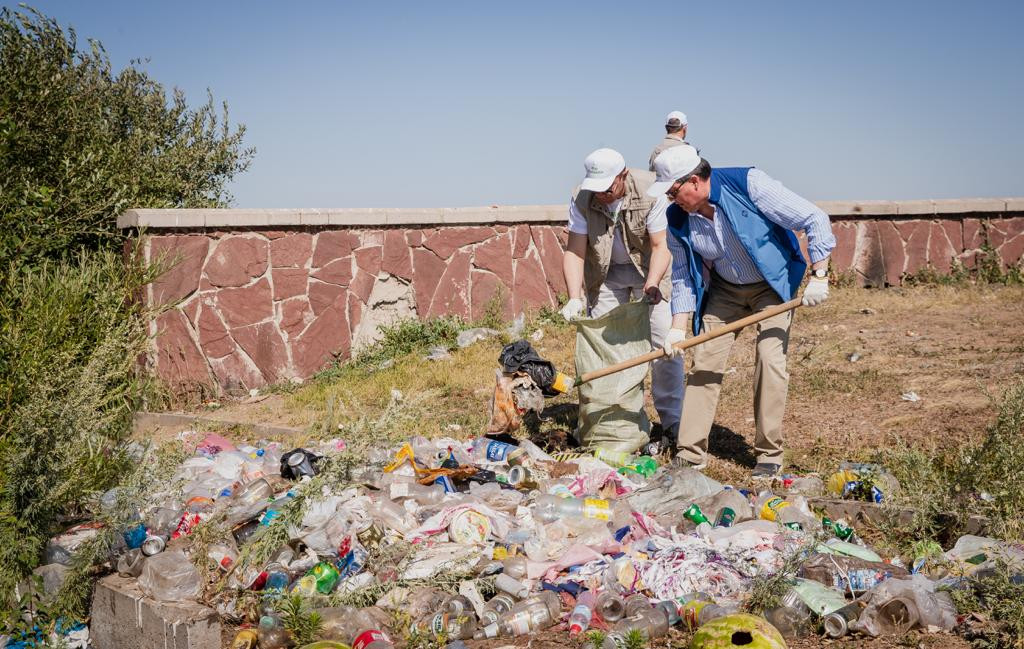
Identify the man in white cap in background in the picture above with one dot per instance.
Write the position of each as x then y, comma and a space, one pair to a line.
736, 225
617, 252
675, 134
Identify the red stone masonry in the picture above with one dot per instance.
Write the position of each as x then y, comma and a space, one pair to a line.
271, 295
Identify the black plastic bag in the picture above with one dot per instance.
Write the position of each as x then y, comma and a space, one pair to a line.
521, 357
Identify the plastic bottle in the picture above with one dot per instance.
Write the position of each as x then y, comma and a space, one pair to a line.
422, 494
275, 509
726, 508
248, 500
652, 622
245, 639
130, 563
614, 458
848, 574
837, 623
352, 626
550, 508
514, 567
636, 603
271, 634
513, 587
582, 613
501, 603
490, 450
791, 617
533, 614
790, 513
610, 606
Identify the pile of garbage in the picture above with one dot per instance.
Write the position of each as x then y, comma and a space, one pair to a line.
502, 539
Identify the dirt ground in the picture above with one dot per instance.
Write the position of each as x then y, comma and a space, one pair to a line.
850, 361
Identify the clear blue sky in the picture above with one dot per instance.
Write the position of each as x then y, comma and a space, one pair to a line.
353, 104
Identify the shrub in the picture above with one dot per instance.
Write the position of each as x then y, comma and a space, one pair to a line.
80, 143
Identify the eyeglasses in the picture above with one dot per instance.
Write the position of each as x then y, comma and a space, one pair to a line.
676, 186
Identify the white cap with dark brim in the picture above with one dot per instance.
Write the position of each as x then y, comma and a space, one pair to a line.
671, 165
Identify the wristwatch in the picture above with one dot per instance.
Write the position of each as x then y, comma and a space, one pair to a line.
821, 273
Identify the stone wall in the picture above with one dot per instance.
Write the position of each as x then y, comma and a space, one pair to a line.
272, 295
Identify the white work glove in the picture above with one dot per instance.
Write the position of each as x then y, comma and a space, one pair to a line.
572, 309
816, 291
674, 336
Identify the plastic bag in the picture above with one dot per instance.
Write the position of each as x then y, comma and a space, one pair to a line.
612, 412
521, 357
170, 576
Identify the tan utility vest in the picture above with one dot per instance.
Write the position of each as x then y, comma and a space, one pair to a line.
636, 205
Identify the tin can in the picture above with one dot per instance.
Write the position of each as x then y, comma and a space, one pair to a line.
153, 545
370, 535
726, 517
695, 515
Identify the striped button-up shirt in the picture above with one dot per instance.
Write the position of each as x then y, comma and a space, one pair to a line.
715, 241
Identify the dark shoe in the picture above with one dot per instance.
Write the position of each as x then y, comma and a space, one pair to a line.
766, 470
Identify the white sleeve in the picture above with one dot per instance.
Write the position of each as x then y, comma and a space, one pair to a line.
657, 218
577, 224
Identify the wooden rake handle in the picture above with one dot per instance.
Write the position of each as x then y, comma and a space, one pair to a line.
691, 342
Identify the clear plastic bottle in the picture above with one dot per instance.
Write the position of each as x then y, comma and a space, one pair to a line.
818, 597
652, 622
493, 609
582, 613
636, 603
697, 612
791, 617
248, 501
790, 513
272, 635
533, 614
512, 586
514, 567
610, 606
422, 494
550, 508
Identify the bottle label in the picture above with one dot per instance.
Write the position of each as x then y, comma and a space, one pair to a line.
690, 612
368, 637
596, 508
496, 451
770, 510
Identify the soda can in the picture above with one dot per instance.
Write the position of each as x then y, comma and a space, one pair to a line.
153, 545
371, 535
135, 536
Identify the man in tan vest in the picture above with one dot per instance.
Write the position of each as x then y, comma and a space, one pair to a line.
675, 134
617, 252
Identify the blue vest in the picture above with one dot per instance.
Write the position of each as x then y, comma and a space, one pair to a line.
773, 249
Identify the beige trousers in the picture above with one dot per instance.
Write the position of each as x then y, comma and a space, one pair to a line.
728, 303
622, 285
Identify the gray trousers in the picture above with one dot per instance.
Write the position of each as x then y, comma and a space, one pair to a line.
623, 284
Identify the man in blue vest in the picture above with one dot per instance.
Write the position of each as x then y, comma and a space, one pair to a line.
734, 253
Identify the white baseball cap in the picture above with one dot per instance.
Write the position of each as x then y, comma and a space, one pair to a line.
671, 165
676, 116
602, 167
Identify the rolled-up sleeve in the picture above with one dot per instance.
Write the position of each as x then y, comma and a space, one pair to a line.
793, 212
683, 298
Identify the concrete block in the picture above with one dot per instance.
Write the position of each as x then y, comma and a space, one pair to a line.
858, 208
123, 618
465, 215
189, 218
967, 205
128, 219
915, 208
357, 216
312, 217
534, 213
236, 218
413, 216
285, 218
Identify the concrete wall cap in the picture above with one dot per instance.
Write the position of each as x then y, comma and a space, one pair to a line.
375, 216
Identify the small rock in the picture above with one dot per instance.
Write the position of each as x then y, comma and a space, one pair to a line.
910, 396
254, 392
911, 334
868, 311
386, 364
396, 394
438, 353
853, 358
453, 427
537, 336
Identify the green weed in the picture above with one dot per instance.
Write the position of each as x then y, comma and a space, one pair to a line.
302, 623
